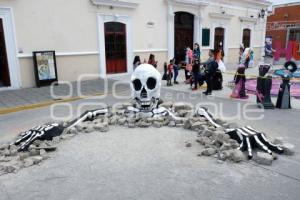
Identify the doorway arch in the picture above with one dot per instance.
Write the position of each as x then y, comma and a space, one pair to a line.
219, 40
115, 47
246, 37
184, 34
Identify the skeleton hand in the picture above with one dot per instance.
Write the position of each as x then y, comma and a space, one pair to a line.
43, 132
49, 131
203, 112
248, 138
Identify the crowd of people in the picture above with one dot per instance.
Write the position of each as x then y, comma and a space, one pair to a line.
210, 72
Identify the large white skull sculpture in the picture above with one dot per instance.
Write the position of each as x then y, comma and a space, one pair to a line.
145, 87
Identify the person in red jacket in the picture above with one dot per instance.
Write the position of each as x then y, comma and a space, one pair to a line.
170, 73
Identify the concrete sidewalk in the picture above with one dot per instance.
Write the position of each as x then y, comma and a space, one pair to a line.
73, 90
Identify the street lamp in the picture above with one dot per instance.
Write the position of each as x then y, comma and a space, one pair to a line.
262, 14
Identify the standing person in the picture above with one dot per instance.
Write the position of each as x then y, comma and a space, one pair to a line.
196, 73
176, 69
152, 61
241, 52
218, 77
210, 71
196, 51
136, 62
239, 90
170, 73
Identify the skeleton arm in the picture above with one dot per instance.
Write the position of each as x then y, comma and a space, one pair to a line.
202, 112
246, 136
49, 131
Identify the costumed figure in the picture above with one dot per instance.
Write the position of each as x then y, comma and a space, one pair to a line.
210, 72
263, 88
268, 47
284, 94
218, 77
269, 50
239, 90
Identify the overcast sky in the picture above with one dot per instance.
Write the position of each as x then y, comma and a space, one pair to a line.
276, 2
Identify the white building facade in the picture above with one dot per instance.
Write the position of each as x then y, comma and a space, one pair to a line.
101, 37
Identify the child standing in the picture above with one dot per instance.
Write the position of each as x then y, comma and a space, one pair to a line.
170, 73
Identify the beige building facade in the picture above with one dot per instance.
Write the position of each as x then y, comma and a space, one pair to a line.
87, 34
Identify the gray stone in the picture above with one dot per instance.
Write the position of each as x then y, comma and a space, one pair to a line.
121, 121
47, 149
181, 106
204, 140
179, 125
206, 133
219, 121
225, 146
72, 130
179, 121
183, 113
5, 159
187, 124
113, 120
28, 162
234, 144
188, 144
131, 125
167, 104
157, 124
9, 169
34, 152
89, 129
102, 127
263, 158
208, 152
172, 124
288, 149
236, 155
23, 155
197, 126
159, 119
65, 137
4, 146
166, 122
37, 142
43, 152
8, 152
56, 140
143, 124
37, 159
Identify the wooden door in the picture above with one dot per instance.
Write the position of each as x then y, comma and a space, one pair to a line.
219, 38
4, 70
184, 34
246, 37
115, 47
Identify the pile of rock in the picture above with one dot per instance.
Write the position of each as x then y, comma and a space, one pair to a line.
214, 140
12, 160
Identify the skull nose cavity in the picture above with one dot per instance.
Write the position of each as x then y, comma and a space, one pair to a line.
144, 93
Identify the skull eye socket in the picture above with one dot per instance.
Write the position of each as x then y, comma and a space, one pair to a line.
137, 84
151, 83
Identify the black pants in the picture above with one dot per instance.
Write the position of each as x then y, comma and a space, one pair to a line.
209, 82
196, 80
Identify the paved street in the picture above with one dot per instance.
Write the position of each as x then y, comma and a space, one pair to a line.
152, 163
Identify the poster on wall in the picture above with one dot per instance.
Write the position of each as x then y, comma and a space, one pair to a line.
45, 67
